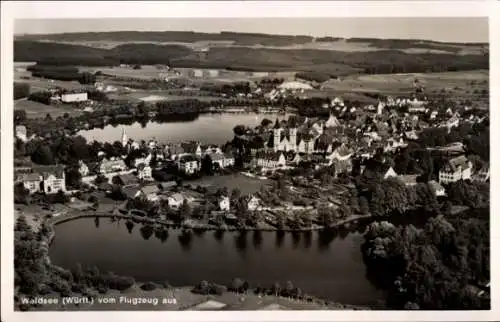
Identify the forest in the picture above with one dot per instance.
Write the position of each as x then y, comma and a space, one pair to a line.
334, 63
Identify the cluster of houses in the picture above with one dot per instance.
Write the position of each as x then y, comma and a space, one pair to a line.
286, 143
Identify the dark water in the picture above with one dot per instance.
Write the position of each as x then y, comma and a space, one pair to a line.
324, 265
206, 128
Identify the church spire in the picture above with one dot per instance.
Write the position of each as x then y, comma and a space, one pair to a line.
277, 124
124, 137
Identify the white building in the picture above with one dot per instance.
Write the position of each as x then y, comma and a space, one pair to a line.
175, 200
270, 160
224, 203
253, 203
222, 160
21, 133
437, 188
74, 97
188, 164
456, 169
83, 168
145, 172
294, 86
114, 165
45, 179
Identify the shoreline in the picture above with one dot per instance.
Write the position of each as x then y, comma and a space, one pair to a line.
54, 221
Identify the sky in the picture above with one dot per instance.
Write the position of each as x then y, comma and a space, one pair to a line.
449, 29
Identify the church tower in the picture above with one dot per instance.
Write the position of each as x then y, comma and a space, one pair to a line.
124, 138
293, 138
276, 135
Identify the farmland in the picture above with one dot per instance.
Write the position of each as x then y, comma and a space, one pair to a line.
468, 83
39, 110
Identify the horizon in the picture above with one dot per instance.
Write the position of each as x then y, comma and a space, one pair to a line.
465, 29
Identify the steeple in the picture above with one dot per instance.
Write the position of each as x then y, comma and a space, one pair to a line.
277, 124
124, 137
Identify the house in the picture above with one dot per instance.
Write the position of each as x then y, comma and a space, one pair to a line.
437, 188
74, 97
31, 181
222, 160
192, 148
45, 179
390, 173
393, 144
188, 164
144, 172
294, 158
175, 151
455, 169
253, 203
112, 165
149, 192
224, 203
482, 175
22, 133
175, 200
128, 180
408, 179
167, 185
83, 168
270, 159
332, 122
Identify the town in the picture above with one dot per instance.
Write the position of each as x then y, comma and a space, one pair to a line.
179, 151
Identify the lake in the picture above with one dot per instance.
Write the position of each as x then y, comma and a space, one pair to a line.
323, 265
207, 129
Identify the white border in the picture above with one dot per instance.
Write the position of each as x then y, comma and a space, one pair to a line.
80, 9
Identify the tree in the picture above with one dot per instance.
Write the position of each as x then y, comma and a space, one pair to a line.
236, 285
73, 178
43, 155
21, 194
185, 209
265, 122
21, 90
207, 165
239, 130
20, 116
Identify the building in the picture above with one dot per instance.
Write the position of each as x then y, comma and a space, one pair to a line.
408, 179
192, 148
74, 97
224, 203
144, 172
21, 133
175, 200
482, 175
124, 138
149, 192
270, 159
455, 169
31, 182
437, 188
44, 179
83, 168
390, 173
253, 203
189, 164
113, 165
222, 160
295, 86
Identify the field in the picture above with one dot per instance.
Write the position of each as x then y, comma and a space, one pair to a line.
461, 83
40, 84
39, 110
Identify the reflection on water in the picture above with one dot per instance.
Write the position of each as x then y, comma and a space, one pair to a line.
327, 263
